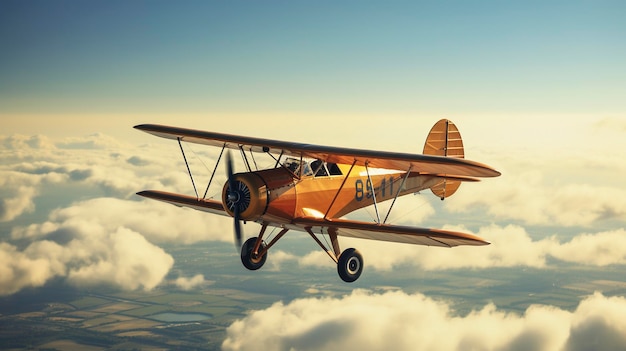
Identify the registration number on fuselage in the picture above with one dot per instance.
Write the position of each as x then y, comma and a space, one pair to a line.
364, 189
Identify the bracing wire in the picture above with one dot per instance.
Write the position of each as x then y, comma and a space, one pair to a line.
198, 157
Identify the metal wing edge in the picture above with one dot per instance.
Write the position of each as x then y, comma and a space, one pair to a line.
391, 233
376, 159
180, 200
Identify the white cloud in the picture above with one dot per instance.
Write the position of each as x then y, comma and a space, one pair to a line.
611, 124
511, 246
185, 283
528, 197
96, 161
278, 259
130, 262
106, 241
600, 249
20, 269
100, 162
398, 321
18, 191
86, 255
157, 221
90, 142
21, 142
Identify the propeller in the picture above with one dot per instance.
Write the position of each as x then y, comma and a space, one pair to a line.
234, 197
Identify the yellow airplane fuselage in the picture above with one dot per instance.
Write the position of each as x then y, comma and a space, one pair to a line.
278, 196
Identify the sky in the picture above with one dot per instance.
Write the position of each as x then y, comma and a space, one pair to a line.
536, 89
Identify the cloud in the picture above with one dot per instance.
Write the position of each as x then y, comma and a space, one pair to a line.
185, 283
528, 197
416, 322
159, 222
511, 246
17, 203
98, 164
106, 241
600, 249
17, 191
86, 255
611, 124
20, 269
91, 142
20, 142
131, 262
103, 240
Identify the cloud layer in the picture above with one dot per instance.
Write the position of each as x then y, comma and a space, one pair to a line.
527, 198
101, 175
85, 254
511, 246
112, 238
106, 241
399, 321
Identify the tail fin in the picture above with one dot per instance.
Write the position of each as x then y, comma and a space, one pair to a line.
444, 139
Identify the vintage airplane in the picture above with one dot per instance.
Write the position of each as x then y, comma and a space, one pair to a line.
310, 188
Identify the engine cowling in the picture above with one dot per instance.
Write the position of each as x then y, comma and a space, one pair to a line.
250, 195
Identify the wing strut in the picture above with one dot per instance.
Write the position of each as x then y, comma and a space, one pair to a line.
214, 170
397, 193
245, 159
277, 159
254, 160
338, 191
188, 169
369, 179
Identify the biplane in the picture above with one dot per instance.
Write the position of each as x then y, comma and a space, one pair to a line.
310, 188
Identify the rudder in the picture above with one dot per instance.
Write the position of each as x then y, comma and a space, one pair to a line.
444, 139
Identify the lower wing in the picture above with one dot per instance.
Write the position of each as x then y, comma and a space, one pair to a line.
210, 206
340, 227
386, 232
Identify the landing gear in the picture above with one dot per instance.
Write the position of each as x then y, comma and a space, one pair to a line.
248, 258
350, 265
349, 262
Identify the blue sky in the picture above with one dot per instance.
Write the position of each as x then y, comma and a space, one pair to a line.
536, 89
327, 57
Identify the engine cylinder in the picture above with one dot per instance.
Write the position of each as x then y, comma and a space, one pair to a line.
250, 196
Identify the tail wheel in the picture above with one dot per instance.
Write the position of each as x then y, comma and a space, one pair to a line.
350, 265
250, 260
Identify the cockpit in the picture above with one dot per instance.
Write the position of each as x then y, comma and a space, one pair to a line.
316, 168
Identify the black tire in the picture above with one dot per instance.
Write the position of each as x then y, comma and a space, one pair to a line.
350, 265
250, 262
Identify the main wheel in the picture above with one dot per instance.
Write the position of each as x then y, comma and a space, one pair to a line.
350, 265
249, 260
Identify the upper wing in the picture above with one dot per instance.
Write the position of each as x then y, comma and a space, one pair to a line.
376, 159
392, 233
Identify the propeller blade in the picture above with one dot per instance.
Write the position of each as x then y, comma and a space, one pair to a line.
233, 190
229, 172
238, 234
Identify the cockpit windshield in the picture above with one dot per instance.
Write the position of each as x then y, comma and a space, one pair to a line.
316, 168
